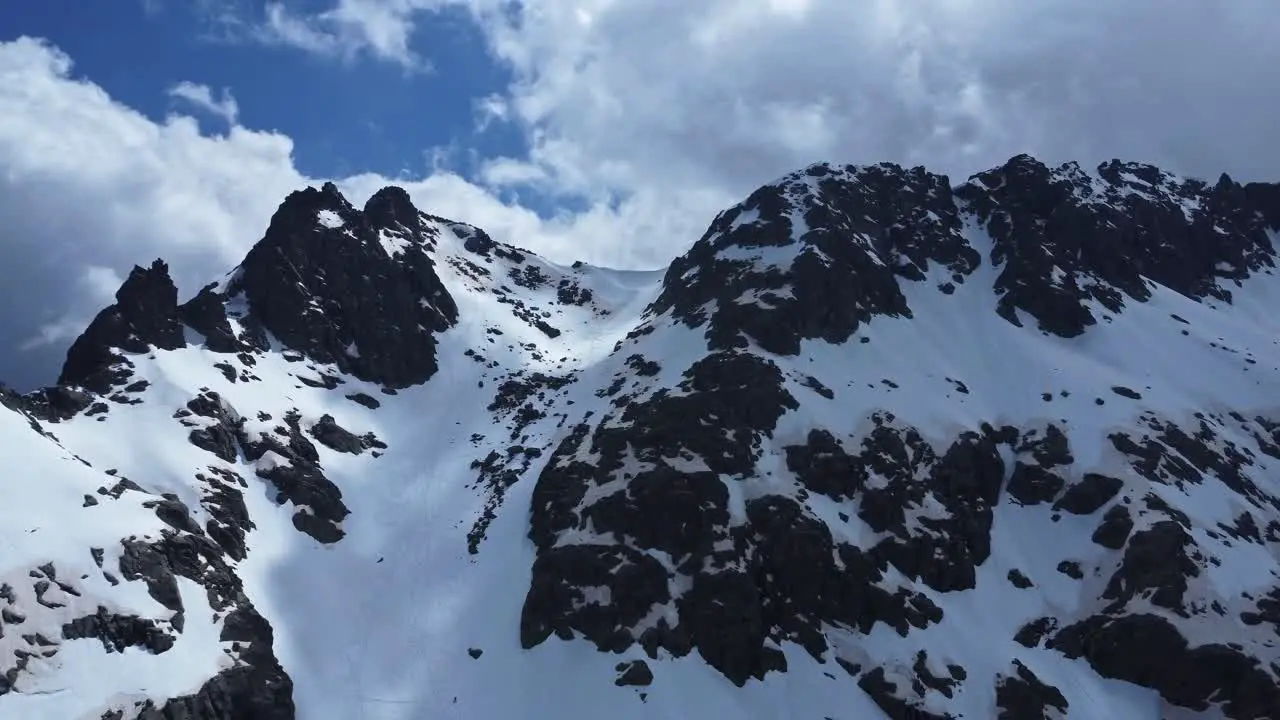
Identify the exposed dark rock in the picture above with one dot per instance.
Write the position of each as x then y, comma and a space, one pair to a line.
1033, 485
1019, 580
206, 313
1159, 560
1267, 610
1071, 569
866, 227
256, 687
1089, 494
1032, 633
335, 437
944, 684
221, 437
224, 500
1060, 249
365, 400
1148, 650
555, 602
175, 514
1023, 696
1115, 528
633, 673
336, 295
1050, 449
118, 632
297, 475
889, 697
145, 315
1126, 392
824, 467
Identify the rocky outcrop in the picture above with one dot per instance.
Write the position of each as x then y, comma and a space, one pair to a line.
638, 542
817, 255
353, 288
144, 316
1149, 650
1021, 695
284, 457
1073, 246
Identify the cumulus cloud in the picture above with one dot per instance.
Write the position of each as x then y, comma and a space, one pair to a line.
201, 97
729, 91
726, 92
645, 117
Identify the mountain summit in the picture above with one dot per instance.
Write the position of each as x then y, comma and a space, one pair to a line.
877, 445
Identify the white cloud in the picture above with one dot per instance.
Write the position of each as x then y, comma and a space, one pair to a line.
201, 97
725, 93
351, 28
489, 109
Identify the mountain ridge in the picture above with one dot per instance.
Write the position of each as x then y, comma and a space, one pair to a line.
710, 461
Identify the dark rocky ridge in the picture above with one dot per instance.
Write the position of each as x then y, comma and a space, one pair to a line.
327, 288
1068, 248
336, 295
321, 291
145, 315
1107, 238
860, 229
824, 250
815, 256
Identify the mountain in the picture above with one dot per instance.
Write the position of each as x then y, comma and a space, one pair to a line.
877, 445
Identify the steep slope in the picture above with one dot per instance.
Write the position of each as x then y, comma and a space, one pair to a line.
875, 446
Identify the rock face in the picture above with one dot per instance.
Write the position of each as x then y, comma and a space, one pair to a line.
144, 316
661, 500
872, 423
1074, 246
816, 255
322, 281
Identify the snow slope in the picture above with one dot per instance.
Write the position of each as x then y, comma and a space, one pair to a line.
875, 446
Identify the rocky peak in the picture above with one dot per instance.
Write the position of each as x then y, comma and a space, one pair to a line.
391, 206
824, 249
816, 254
145, 315
344, 286
1265, 198
1073, 246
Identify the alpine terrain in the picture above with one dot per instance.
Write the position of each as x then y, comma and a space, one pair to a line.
877, 445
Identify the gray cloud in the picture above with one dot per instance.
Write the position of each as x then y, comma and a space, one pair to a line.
729, 92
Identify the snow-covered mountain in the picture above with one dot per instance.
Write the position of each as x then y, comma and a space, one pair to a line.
876, 446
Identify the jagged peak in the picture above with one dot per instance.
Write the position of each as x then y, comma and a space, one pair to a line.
827, 236
1064, 239
310, 199
145, 315
391, 205
340, 285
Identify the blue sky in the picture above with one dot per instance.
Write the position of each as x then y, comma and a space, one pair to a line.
345, 116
